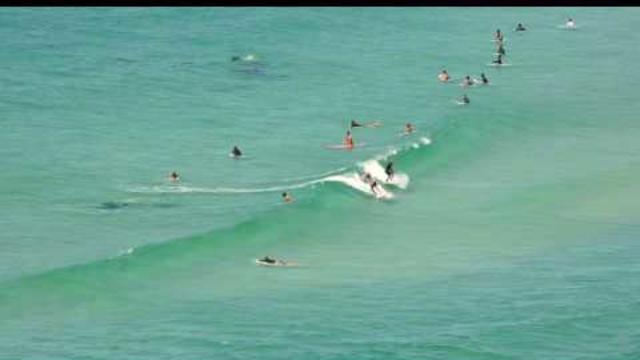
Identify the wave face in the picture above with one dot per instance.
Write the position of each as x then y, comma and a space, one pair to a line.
510, 230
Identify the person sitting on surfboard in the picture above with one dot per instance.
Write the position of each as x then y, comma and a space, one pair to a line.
174, 177
236, 152
520, 27
484, 79
286, 197
348, 140
389, 170
444, 76
498, 61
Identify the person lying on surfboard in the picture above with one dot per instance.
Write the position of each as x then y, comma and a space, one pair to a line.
354, 123
268, 260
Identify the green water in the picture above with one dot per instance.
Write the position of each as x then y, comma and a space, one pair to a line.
515, 239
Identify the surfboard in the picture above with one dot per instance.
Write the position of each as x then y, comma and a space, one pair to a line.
278, 263
343, 146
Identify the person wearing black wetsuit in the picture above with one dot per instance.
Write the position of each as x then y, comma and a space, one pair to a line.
389, 170
520, 27
484, 79
498, 61
236, 152
355, 124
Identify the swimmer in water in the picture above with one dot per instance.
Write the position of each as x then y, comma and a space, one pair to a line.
389, 170
570, 23
484, 79
348, 140
467, 81
409, 128
174, 177
520, 27
444, 76
354, 123
498, 61
236, 152
286, 197
499, 36
465, 99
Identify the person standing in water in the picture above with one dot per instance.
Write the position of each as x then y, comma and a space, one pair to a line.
389, 170
348, 140
235, 152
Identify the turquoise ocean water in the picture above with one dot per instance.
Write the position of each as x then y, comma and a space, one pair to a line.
517, 237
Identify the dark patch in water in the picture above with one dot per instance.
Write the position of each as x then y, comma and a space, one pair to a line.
113, 205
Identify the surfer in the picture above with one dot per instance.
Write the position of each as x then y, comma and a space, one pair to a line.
409, 128
499, 35
348, 140
498, 61
389, 170
570, 24
467, 81
465, 99
355, 123
286, 197
268, 260
444, 76
520, 27
174, 177
235, 152
374, 187
484, 79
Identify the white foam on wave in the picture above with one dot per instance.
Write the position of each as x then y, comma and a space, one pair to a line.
353, 180
376, 170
